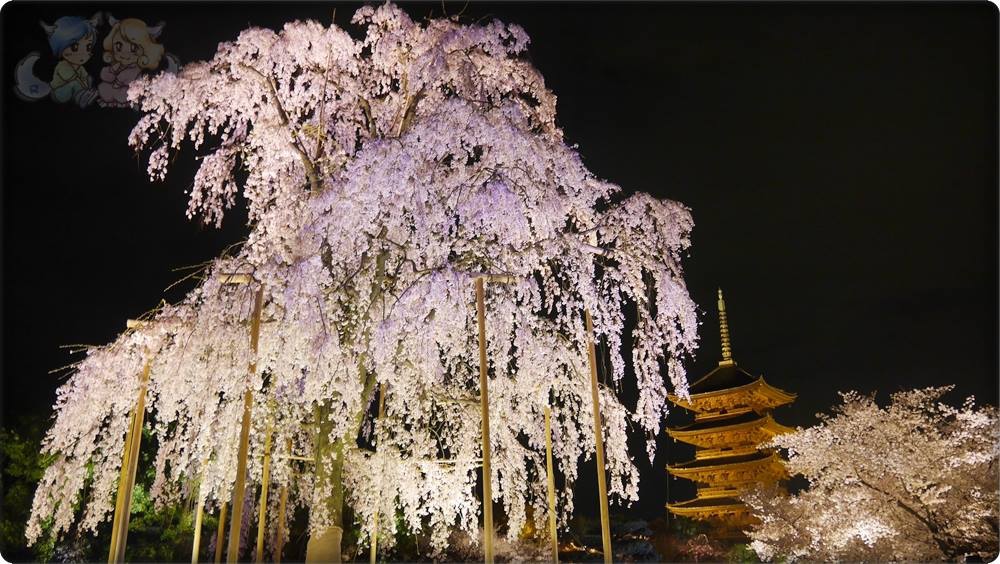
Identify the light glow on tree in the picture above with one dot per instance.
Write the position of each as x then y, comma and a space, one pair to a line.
383, 175
913, 481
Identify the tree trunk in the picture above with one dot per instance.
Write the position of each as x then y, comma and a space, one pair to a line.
324, 546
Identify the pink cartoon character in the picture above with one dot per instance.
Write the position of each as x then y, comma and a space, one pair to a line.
129, 49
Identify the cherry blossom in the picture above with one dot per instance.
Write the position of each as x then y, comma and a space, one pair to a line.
913, 481
383, 176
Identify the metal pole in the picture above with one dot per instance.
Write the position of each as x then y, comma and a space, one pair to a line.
484, 399
282, 500
239, 489
220, 533
262, 513
133, 461
373, 557
602, 486
196, 545
551, 483
120, 498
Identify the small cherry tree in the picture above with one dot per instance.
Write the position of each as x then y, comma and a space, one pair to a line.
383, 176
913, 481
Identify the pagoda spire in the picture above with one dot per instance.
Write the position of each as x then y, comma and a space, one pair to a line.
727, 351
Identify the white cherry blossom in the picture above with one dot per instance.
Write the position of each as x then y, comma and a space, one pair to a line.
913, 481
383, 176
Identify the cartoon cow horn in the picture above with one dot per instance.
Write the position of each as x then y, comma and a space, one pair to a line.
95, 20
112, 21
156, 30
49, 29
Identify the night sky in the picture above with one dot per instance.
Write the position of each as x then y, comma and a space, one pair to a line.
840, 162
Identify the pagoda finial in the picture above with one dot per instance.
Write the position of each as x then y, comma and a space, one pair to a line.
727, 351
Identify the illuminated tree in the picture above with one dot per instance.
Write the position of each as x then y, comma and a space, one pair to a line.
913, 481
383, 176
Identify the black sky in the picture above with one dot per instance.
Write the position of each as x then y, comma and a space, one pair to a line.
840, 161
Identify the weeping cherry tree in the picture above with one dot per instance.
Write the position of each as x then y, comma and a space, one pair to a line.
383, 176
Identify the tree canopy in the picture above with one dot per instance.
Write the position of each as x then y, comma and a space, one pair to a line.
916, 480
383, 176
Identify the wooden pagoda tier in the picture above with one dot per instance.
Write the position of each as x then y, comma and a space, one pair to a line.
732, 420
730, 390
729, 512
716, 437
729, 475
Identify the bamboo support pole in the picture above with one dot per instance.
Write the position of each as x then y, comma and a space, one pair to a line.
239, 489
484, 399
602, 486
236, 278
120, 497
262, 512
135, 440
196, 544
373, 556
279, 542
550, 480
220, 533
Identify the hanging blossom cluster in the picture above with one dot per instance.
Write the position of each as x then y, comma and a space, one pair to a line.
383, 176
913, 481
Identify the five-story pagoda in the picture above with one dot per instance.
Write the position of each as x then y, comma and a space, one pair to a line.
732, 419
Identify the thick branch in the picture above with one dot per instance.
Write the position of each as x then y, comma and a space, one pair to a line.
310, 167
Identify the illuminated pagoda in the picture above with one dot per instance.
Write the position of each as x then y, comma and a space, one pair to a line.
732, 419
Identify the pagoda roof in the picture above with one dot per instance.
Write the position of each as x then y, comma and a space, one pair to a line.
726, 375
728, 509
703, 502
697, 431
740, 469
702, 398
728, 387
720, 423
722, 461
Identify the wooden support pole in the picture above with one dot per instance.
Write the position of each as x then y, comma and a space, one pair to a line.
373, 556
126, 486
120, 497
239, 488
262, 512
196, 545
602, 486
551, 485
484, 402
279, 542
235, 278
220, 534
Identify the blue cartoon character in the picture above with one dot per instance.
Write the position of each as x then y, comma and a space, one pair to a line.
72, 40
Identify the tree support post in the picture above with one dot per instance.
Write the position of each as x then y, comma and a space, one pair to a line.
196, 545
120, 498
239, 489
551, 486
220, 533
279, 542
602, 486
130, 462
484, 401
262, 512
373, 557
